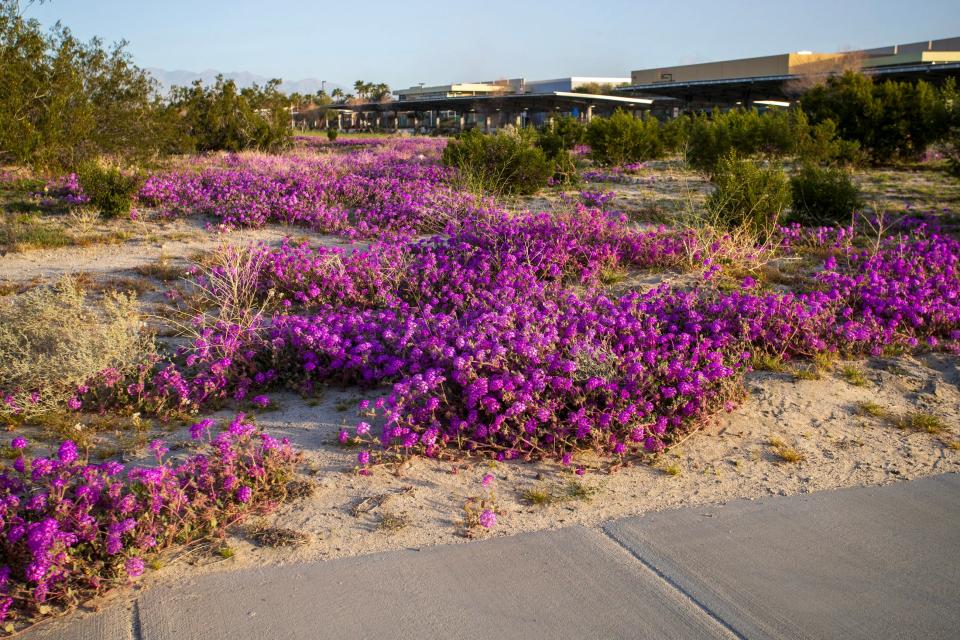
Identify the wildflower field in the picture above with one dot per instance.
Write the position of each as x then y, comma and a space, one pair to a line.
586, 330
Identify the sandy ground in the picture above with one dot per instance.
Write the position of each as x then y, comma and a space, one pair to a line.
176, 241
422, 502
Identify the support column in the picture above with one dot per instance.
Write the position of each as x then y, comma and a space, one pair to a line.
589, 113
379, 120
486, 124
519, 121
462, 121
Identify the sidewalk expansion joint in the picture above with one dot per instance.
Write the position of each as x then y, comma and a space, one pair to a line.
135, 632
673, 584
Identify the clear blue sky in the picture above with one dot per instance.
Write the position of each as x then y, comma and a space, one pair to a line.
403, 42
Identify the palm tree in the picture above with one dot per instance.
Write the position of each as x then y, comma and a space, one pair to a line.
361, 88
337, 94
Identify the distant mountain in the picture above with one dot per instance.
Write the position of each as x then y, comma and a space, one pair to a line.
183, 78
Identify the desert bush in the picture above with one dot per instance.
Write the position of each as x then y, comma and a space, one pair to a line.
622, 139
556, 139
890, 120
53, 341
503, 163
110, 189
675, 133
823, 196
225, 118
560, 134
749, 132
63, 101
748, 195
952, 152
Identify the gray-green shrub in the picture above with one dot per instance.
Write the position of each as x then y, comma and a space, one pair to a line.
823, 196
53, 339
747, 195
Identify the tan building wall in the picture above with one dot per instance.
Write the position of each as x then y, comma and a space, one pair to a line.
782, 64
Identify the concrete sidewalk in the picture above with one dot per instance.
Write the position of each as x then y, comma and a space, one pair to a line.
875, 562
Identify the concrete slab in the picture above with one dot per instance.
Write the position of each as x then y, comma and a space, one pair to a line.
877, 562
114, 623
559, 584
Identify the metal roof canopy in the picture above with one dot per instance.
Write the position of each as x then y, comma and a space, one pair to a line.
513, 102
706, 90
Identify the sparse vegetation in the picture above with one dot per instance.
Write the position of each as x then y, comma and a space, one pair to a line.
786, 453
854, 375
921, 421
872, 409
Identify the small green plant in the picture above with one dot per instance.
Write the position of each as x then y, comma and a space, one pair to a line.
672, 469
539, 496
748, 196
764, 361
854, 375
871, 409
392, 522
921, 421
578, 490
785, 452
824, 196
809, 372
110, 190
226, 552
29, 231
331, 134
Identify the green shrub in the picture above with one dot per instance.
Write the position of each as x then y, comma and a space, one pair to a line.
110, 190
503, 163
747, 195
224, 117
331, 134
622, 139
560, 134
556, 139
41, 364
675, 133
63, 101
747, 132
823, 196
890, 120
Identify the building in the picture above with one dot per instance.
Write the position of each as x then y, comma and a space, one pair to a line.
491, 104
449, 91
778, 79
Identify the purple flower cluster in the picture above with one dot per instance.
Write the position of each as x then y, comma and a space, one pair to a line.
497, 336
397, 188
69, 529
